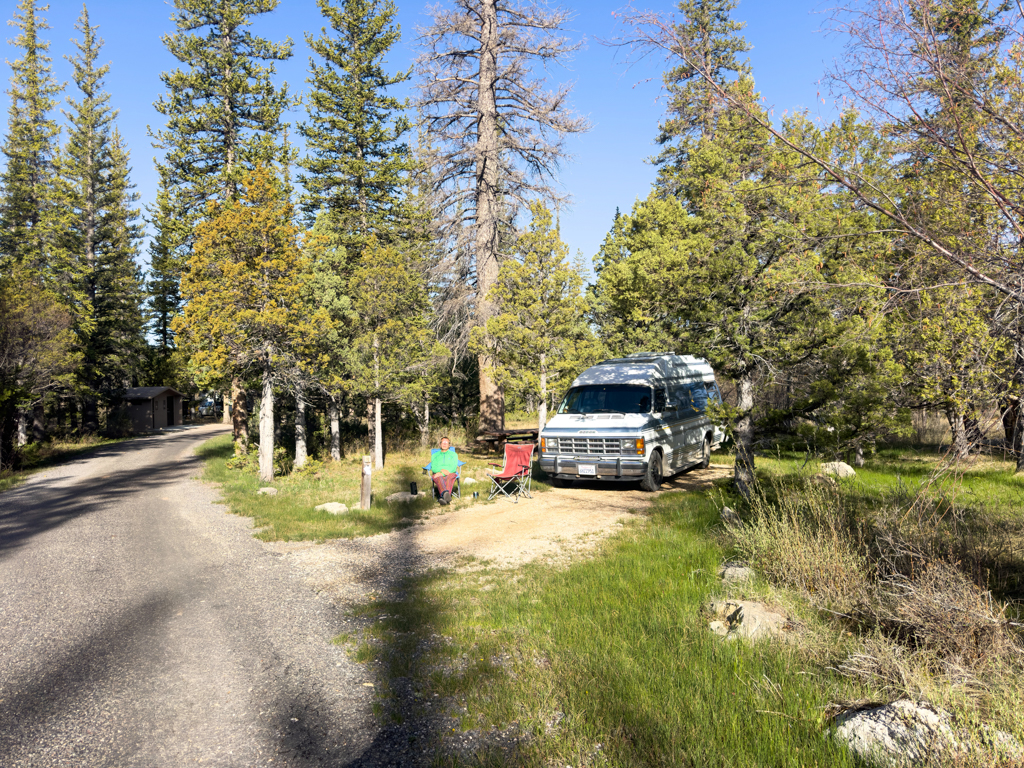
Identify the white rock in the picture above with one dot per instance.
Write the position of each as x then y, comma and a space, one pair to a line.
899, 735
730, 516
748, 620
733, 573
267, 491
403, 497
838, 469
469, 481
334, 507
719, 628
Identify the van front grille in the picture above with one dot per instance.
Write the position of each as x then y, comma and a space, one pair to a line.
596, 446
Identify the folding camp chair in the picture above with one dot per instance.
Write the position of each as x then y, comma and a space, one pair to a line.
515, 477
457, 488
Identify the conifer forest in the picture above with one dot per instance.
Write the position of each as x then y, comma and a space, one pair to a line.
386, 266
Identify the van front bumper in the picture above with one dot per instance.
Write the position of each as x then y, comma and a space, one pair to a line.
606, 468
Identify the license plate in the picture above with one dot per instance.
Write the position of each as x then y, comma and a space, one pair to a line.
586, 469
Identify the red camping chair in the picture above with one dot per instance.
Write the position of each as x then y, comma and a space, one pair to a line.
515, 477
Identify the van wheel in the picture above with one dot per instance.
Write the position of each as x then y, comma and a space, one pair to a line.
705, 455
653, 476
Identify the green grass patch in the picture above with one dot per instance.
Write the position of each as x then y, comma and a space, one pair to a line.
38, 456
291, 514
610, 662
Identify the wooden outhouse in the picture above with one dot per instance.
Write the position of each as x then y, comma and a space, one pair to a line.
153, 407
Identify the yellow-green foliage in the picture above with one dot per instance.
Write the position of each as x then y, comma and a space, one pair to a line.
243, 288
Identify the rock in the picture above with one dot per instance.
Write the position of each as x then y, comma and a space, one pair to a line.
469, 481
730, 516
735, 573
901, 734
838, 469
404, 497
334, 507
719, 628
747, 620
267, 491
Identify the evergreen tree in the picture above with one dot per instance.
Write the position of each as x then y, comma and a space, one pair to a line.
357, 164
99, 235
538, 337
223, 119
243, 297
710, 33
26, 224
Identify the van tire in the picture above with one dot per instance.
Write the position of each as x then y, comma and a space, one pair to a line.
705, 454
654, 474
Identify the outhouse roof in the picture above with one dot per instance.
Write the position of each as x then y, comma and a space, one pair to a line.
148, 393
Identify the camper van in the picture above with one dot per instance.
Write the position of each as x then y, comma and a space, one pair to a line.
640, 417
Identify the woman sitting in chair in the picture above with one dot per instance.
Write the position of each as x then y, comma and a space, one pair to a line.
444, 468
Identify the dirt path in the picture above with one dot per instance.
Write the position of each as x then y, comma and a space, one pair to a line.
556, 525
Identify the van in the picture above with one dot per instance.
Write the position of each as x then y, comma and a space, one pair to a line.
640, 417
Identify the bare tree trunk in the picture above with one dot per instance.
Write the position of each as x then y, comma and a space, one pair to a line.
492, 405
960, 445
423, 420
300, 427
225, 400
266, 455
38, 422
542, 412
858, 458
743, 473
1017, 438
22, 436
378, 436
332, 415
90, 415
239, 416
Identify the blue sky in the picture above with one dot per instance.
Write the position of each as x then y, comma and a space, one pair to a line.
608, 168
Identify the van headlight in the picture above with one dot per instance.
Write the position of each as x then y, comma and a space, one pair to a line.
633, 446
549, 445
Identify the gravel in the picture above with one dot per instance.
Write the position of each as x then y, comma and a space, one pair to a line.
141, 625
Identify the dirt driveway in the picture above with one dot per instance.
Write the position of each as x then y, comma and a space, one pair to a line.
555, 525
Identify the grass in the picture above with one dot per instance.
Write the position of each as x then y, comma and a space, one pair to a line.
610, 662
38, 456
291, 514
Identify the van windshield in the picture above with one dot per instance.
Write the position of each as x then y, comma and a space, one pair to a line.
607, 398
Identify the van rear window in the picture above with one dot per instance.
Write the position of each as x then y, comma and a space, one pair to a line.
607, 398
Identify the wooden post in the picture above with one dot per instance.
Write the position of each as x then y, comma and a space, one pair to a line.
365, 484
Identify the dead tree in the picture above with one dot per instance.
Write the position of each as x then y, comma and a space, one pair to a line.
498, 135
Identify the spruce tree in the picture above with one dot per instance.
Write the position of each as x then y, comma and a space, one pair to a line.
357, 163
98, 236
29, 148
223, 119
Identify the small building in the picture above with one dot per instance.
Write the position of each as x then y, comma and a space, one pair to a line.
153, 407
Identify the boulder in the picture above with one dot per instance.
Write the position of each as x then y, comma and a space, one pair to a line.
469, 481
838, 469
334, 507
746, 620
735, 573
898, 735
404, 497
267, 491
730, 516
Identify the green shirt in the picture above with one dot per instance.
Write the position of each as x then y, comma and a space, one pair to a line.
446, 461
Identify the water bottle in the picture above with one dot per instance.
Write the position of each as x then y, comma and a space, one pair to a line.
412, 489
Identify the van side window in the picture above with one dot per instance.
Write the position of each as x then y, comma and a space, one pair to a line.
698, 397
714, 396
659, 400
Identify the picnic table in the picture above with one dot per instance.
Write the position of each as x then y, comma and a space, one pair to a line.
496, 440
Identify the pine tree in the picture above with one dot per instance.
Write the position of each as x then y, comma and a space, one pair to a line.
98, 236
29, 148
223, 119
243, 297
713, 42
357, 163
538, 337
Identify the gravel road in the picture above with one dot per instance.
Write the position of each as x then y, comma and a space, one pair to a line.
141, 625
